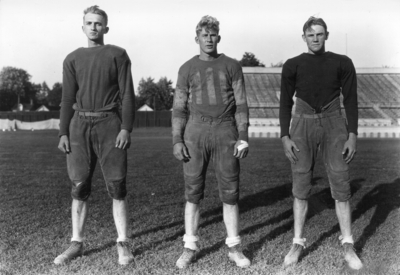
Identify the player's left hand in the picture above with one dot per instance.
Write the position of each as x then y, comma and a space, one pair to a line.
123, 140
349, 148
241, 149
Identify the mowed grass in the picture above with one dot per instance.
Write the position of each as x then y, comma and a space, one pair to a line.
35, 205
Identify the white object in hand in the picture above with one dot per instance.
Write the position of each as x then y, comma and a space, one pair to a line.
243, 144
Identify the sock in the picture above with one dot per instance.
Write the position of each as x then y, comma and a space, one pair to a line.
190, 242
230, 242
77, 240
300, 241
348, 239
123, 239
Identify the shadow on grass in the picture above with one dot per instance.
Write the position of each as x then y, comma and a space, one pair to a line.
99, 249
385, 197
261, 199
317, 203
355, 186
248, 203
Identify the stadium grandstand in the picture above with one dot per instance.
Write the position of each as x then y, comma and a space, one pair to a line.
378, 101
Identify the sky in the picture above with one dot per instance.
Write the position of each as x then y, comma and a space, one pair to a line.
159, 35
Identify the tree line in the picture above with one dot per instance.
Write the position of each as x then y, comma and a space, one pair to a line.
16, 88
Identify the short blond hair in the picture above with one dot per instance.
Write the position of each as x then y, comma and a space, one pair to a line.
209, 23
95, 9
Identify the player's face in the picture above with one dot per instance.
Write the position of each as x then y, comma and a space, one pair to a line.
208, 41
315, 38
94, 26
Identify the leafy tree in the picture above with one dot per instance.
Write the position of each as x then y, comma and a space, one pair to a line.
250, 60
14, 81
54, 96
158, 96
7, 99
42, 94
166, 95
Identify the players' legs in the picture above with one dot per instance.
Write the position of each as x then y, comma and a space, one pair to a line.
300, 208
80, 163
79, 211
120, 214
337, 170
339, 179
194, 172
303, 134
231, 219
192, 217
113, 162
343, 213
227, 170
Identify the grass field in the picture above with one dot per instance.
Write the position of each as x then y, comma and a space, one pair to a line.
35, 222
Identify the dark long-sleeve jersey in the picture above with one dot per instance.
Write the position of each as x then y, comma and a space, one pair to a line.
317, 80
97, 79
210, 88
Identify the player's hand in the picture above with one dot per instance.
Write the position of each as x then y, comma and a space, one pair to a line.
241, 149
288, 146
181, 152
349, 148
63, 144
123, 140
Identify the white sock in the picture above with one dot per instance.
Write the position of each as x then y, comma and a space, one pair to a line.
300, 241
123, 239
348, 239
77, 240
233, 241
190, 242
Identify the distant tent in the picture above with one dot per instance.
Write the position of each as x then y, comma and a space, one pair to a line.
42, 109
22, 107
145, 108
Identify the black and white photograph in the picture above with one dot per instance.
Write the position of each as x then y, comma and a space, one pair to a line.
199, 137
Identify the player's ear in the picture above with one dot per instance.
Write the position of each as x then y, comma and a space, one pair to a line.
304, 37
219, 38
107, 29
327, 35
196, 39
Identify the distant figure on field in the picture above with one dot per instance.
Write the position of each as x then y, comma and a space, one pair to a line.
209, 122
97, 114
318, 77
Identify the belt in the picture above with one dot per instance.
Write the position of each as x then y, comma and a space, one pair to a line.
319, 115
216, 119
96, 114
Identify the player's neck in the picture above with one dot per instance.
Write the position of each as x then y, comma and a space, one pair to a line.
320, 52
95, 43
208, 56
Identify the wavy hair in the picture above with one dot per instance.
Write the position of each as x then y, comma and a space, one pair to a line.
95, 9
209, 23
314, 21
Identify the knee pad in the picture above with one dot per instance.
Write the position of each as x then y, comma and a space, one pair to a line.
81, 190
117, 189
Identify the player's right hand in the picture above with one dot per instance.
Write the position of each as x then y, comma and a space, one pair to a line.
181, 152
63, 145
288, 146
